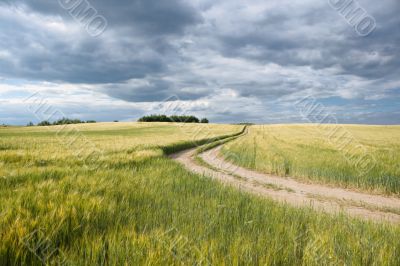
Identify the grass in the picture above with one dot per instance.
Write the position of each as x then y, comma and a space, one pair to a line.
306, 152
139, 207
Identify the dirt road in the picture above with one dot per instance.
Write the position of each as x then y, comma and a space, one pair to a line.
288, 190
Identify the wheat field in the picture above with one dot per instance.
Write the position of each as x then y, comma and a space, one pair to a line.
330, 154
132, 205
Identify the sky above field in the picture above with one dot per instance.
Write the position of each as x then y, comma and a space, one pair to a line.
230, 61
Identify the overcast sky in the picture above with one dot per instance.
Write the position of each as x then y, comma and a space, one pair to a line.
228, 60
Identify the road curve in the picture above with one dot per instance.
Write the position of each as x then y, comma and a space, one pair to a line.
288, 190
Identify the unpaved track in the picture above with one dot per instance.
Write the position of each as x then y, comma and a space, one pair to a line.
288, 190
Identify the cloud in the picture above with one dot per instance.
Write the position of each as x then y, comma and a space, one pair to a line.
150, 17
50, 45
263, 53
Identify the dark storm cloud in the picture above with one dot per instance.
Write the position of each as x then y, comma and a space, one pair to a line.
135, 45
88, 62
311, 37
153, 17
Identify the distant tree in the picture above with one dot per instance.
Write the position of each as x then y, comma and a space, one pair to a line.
64, 121
44, 124
174, 118
91, 122
67, 121
204, 121
184, 119
30, 124
154, 118
116, 121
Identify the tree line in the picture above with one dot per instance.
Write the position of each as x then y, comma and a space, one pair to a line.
62, 121
173, 118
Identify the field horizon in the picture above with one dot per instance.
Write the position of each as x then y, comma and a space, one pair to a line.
224, 123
